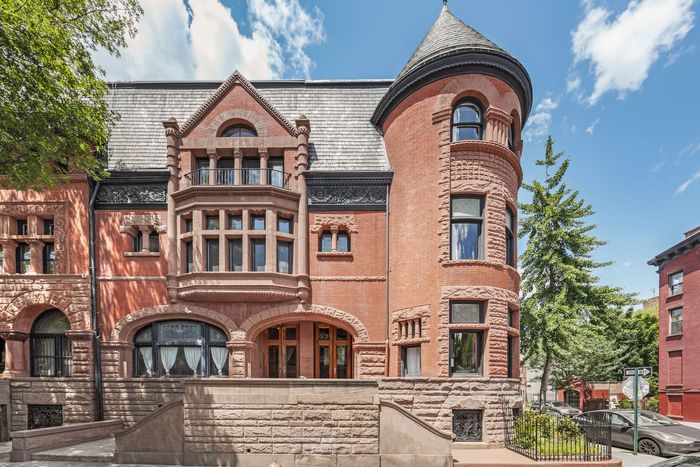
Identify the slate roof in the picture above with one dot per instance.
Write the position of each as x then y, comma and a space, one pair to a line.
447, 34
342, 137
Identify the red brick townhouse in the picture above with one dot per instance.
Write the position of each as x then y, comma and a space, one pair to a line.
281, 229
679, 328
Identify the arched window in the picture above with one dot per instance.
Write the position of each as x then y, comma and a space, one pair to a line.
180, 348
466, 121
50, 348
239, 131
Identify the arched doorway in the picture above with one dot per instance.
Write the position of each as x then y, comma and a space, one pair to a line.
308, 349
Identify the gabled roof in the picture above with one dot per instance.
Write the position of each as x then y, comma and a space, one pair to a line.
342, 137
451, 48
235, 78
689, 243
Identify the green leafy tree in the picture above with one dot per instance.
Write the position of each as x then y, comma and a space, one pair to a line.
561, 294
53, 114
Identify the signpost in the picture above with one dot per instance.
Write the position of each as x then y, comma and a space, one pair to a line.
634, 387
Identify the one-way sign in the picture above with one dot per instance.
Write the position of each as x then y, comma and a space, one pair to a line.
643, 371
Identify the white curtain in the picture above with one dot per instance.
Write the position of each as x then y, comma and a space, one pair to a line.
413, 361
219, 354
167, 357
193, 355
147, 355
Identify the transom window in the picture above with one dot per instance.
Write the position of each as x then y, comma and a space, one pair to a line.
466, 121
180, 348
467, 217
466, 312
239, 131
284, 225
675, 283
50, 349
235, 222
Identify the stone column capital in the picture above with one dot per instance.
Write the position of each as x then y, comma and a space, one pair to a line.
263, 153
14, 335
240, 345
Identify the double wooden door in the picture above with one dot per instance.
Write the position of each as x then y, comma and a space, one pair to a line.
333, 352
282, 343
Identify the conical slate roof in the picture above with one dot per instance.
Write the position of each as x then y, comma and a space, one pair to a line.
450, 48
447, 34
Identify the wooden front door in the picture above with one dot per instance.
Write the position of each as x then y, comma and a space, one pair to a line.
282, 349
333, 353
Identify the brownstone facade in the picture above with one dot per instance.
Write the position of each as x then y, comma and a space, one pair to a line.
282, 230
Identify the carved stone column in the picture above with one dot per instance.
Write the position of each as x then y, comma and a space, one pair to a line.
36, 254
264, 158
302, 165
213, 159
497, 123
173, 153
239, 358
9, 263
237, 166
145, 238
16, 365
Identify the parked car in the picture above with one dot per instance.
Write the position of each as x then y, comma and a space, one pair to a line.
557, 408
680, 461
658, 435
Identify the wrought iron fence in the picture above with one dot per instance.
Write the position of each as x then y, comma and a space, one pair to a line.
548, 437
230, 177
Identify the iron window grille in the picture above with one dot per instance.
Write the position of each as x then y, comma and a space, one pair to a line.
466, 229
675, 283
467, 425
44, 416
180, 348
467, 121
676, 321
50, 348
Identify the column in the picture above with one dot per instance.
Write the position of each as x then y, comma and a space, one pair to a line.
301, 166
145, 238
237, 167
14, 354
334, 238
264, 173
9, 262
173, 162
36, 248
213, 159
239, 358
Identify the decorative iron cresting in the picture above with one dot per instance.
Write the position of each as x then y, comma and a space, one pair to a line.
44, 416
466, 425
127, 195
347, 195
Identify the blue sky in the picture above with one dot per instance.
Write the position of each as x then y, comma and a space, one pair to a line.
614, 83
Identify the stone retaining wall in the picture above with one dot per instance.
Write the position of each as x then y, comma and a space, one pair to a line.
132, 399
433, 400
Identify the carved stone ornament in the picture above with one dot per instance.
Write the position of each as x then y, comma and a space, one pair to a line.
323, 222
347, 195
133, 222
132, 194
57, 211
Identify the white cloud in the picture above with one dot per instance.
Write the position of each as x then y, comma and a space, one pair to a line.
684, 186
591, 127
674, 56
689, 150
622, 49
539, 121
201, 39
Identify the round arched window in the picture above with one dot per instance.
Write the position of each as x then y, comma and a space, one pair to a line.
466, 121
239, 131
50, 349
180, 348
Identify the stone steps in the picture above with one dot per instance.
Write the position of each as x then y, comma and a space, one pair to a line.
101, 451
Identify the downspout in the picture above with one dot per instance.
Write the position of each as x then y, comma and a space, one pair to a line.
97, 361
386, 337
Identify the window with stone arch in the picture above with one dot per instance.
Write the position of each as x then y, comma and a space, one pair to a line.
467, 121
50, 348
180, 348
239, 130
335, 233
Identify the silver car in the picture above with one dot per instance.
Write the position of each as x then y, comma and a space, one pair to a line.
658, 435
558, 408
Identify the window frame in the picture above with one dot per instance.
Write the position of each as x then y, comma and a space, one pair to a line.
511, 259
482, 311
253, 255
478, 221
325, 234
62, 359
290, 245
239, 126
48, 263
479, 126
678, 321
208, 263
671, 287
404, 361
20, 260
480, 353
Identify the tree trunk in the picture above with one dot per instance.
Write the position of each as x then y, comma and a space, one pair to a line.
546, 370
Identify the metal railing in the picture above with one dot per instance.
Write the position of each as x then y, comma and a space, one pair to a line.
231, 177
548, 437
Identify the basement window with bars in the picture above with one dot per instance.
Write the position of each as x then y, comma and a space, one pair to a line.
44, 416
467, 425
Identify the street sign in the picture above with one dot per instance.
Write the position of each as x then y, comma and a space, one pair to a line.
628, 388
643, 371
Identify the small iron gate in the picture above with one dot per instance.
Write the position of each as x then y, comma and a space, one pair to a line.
546, 437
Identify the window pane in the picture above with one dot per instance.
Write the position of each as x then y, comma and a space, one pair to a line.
48, 226
465, 313
154, 242
49, 259
276, 167
465, 357
257, 222
179, 333
324, 364
290, 334
291, 364
341, 333
189, 265
509, 219
465, 240
675, 282
52, 322
251, 171
676, 321
216, 335
238, 131
235, 254
464, 133
343, 242
326, 242
22, 258
466, 207
257, 248
273, 333
284, 225
284, 257
138, 241
341, 361
188, 225
467, 113
212, 258
235, 223
412, 361
212, 223
22, 227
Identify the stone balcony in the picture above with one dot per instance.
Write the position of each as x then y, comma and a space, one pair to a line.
241, 287
240, 178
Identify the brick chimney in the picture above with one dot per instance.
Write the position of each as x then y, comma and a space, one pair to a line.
692, 232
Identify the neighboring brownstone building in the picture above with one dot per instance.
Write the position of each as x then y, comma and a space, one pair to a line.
282, 229
679, 328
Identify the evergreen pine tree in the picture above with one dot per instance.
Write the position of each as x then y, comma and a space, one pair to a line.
560, 290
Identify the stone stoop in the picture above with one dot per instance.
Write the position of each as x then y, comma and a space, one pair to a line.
95, 451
